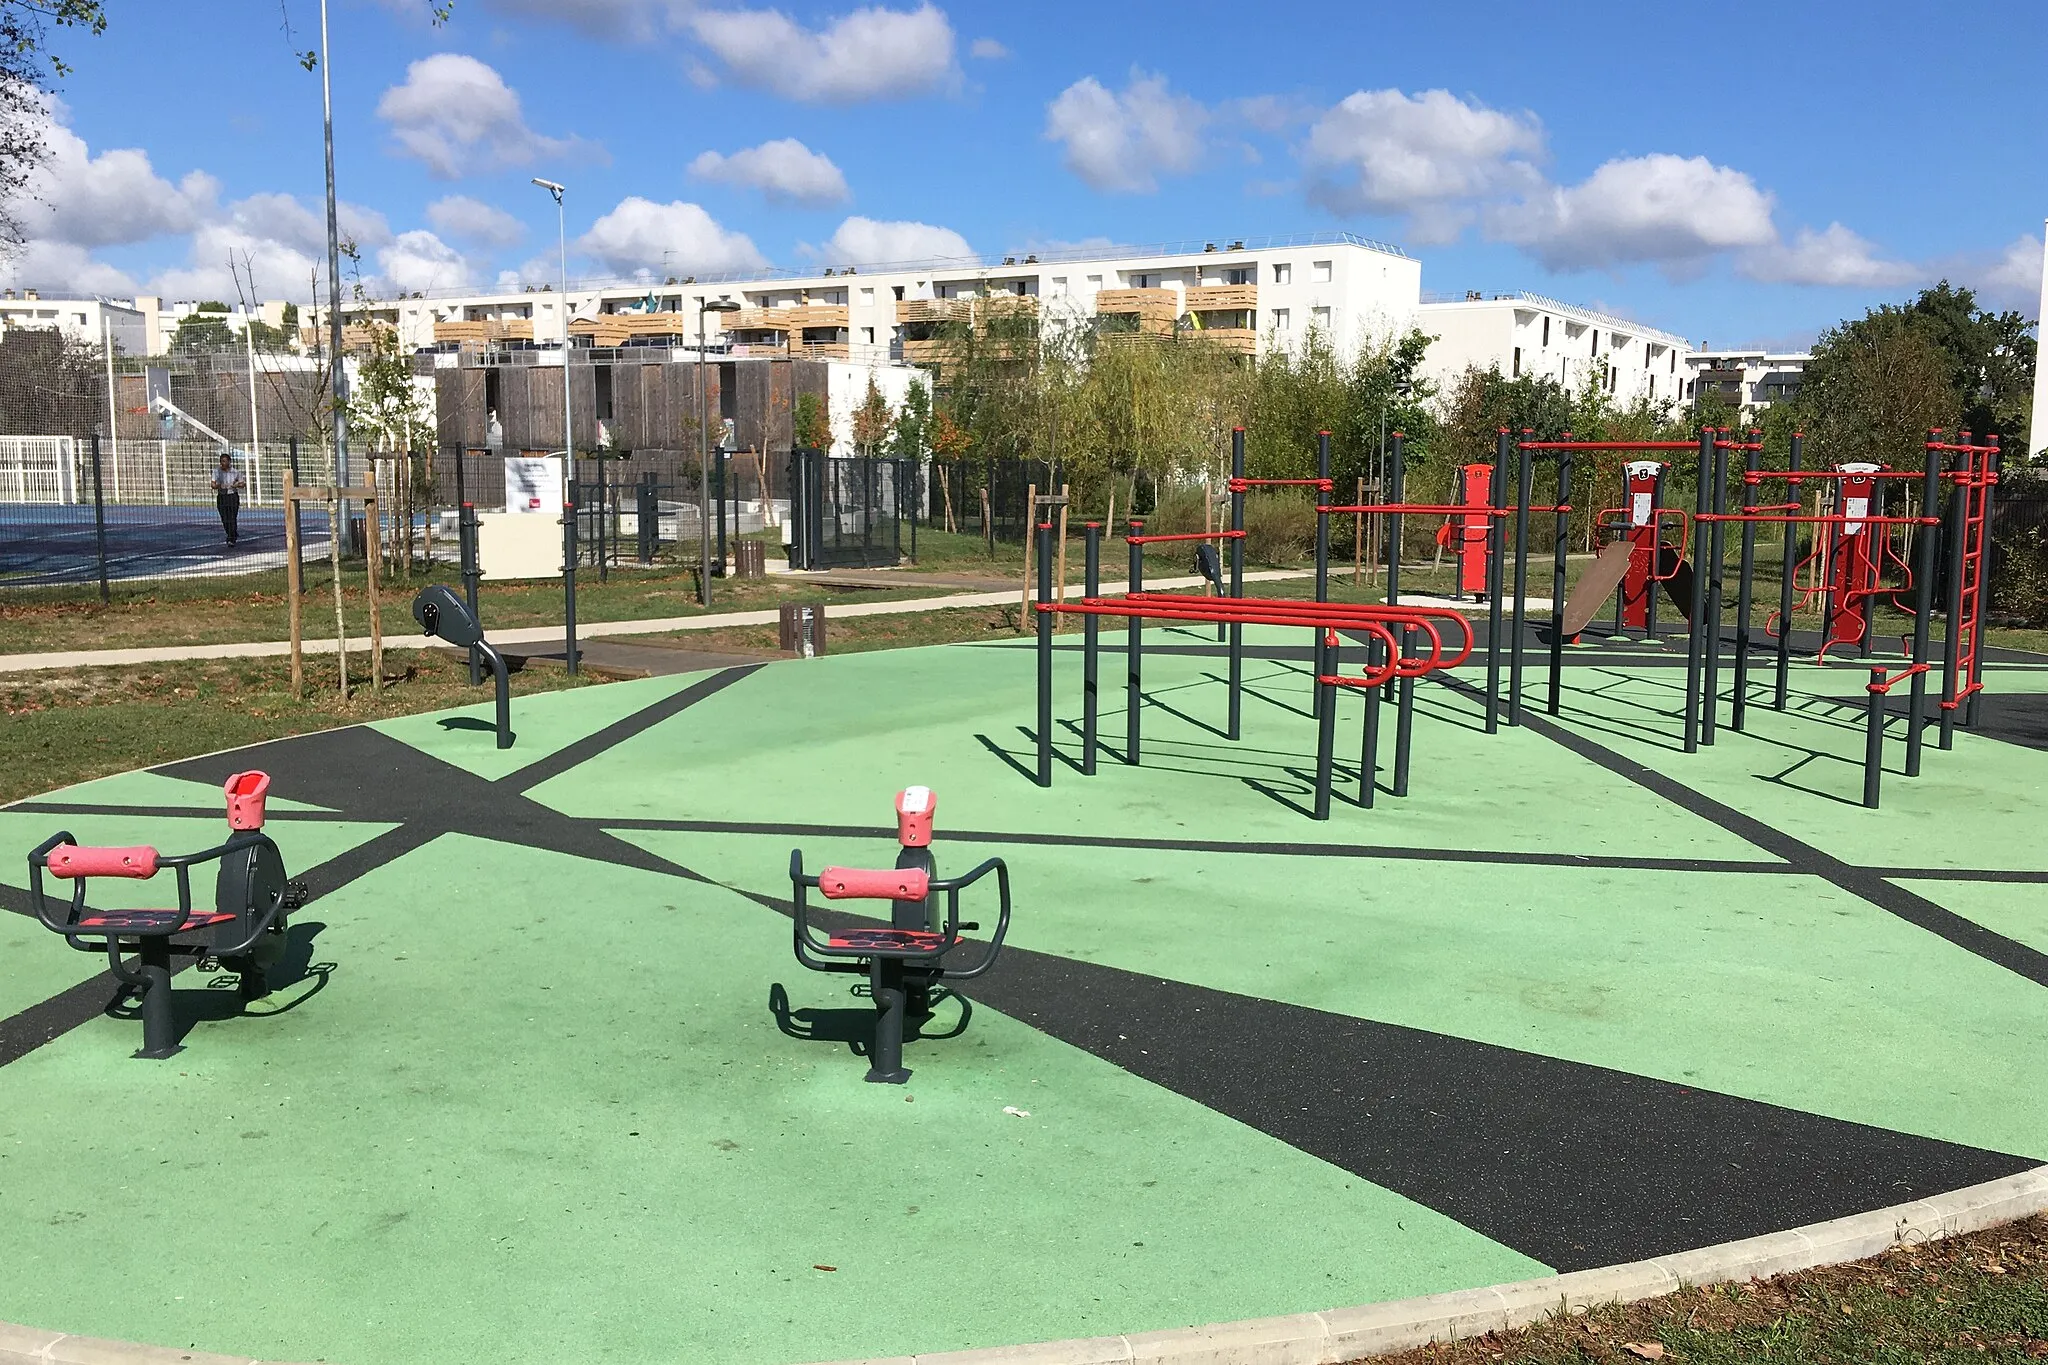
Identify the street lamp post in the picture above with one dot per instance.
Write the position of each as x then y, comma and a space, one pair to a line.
568, 439
337, 376
704, 453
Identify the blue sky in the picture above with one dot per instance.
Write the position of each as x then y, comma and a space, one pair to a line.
1742, 176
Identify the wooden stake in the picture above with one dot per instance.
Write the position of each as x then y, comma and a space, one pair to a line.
335, 531
1109, 522
1059, 573
1358, 538
1030, 535
293, 584
376, 610
988, 530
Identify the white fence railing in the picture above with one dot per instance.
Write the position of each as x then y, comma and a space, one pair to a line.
58, 470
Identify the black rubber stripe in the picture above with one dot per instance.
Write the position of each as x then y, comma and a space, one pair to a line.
1863, 882
1285, 850
619, 731
1574, 1165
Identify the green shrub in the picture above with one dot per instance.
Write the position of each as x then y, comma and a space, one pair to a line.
1279, 527
1178, 513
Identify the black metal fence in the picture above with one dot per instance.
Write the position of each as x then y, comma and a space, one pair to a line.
851, 512
989, 498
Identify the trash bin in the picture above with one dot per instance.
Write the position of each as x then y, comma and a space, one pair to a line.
749, 559
803, 628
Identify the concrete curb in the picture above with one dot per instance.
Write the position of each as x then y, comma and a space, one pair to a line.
534, 635
1347, 1333
1342, 1334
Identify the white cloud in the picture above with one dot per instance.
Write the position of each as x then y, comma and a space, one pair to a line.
458, 116
1425, 156
2009, 279
864, 241
112, 199
472, 220
1834, 256
987, 50
62, 265
1671, 210
870, 54
675, 238
785, 171
1123, 142
624, 21
419, 261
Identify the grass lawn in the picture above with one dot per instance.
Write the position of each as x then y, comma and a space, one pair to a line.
90, 722
1981, 1297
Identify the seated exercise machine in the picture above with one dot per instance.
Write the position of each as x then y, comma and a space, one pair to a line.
445, 616
904, 961
244, 931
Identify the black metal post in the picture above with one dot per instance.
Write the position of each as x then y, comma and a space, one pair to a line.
1326, 720
1711, 684
1404, 720
1134, 650
1397, 452
1788, 553
1558, 550
1045, 624
1744, 588
1952, 632
1923, 603
604, 516
1323, 696
569, 576
1369, 736
99, 532
298, 527
1496, 575
1524, 473
1236, 716
888, 985
159, 1020
1091, 587
1993, 469
1873, 737
504, 691
719, 460
1694, 641
466, 551
1656, 554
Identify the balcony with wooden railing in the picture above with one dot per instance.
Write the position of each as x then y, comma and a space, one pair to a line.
1233, 298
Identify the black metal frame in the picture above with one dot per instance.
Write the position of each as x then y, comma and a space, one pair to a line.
251, 870
895, 974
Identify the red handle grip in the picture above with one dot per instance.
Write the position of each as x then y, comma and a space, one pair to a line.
70, 861
874, 883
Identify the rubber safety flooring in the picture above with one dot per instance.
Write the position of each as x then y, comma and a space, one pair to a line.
546, 1081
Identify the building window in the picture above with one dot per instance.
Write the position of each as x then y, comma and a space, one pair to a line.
1059, 286
1242, 274
1141, 281
867, 294
1018, 288
1517, 374
867, 334
1321, 317
1095, 282
1283, 273
1319, 271
1546, 334
1283, 319
897, 289
1596, 342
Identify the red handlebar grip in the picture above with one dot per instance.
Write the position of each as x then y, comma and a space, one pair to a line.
71, 861
874, 883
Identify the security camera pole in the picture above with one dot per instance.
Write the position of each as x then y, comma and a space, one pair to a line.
568, 438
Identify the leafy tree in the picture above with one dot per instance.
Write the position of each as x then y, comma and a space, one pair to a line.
913, 423
872, 420
385, 405
810, 427
202, 332
29, 72
1991, 358
1874, 387
267, 337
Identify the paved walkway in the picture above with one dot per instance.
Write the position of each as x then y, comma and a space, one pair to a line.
534, 635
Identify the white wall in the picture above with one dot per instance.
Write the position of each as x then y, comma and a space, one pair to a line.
846, 387
1523, 335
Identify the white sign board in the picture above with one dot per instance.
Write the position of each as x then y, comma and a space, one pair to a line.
533, 483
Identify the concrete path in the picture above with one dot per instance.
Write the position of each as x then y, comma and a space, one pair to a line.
534, 635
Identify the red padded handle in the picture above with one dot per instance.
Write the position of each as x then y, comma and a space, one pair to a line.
71, 861
246, 793
874, 883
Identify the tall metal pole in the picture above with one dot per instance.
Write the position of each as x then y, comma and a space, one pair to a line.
704, 473
338, 380
569, 510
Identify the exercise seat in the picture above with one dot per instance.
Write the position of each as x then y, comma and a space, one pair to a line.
244, 929
904, 959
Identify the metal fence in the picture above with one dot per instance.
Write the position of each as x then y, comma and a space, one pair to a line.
954, 493
850, 512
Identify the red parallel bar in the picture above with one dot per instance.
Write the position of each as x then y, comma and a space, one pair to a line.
1610, 445
1881, 683
1440, 509
1353, 613
1973, 450
1240, 485
1190, 535
1223, 613
1821, 521
1738, 445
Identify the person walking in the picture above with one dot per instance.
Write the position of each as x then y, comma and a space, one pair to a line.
227, 496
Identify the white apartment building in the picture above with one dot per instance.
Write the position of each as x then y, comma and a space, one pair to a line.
1750, 379
88, 319
1528, 334
1245, 293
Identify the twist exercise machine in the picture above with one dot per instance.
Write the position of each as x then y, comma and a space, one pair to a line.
904, 961
243, 932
